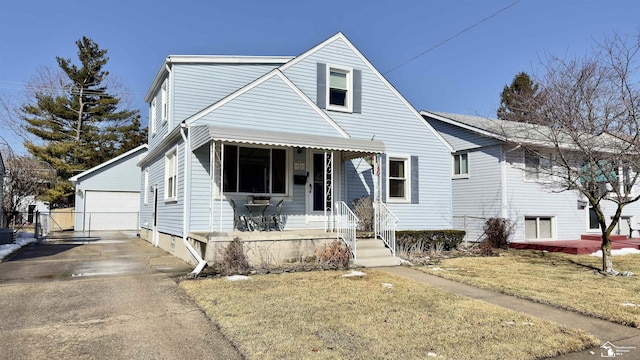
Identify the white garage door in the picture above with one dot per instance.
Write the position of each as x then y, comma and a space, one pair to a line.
111, 210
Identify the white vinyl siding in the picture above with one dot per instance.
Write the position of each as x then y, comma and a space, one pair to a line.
145, 187
386, 117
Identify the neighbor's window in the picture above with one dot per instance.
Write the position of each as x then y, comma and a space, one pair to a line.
398, 179
593, 219
255, 170
625, 180
461, 165
538, 227
340, 89
536, 165
171, 175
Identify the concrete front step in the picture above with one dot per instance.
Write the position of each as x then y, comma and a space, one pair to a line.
377, 261
373, 253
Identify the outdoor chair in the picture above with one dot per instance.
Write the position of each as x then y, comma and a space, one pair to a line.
237, 218
632, 229
279, 220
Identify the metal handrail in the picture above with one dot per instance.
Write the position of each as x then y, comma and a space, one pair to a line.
346, 223
385, 225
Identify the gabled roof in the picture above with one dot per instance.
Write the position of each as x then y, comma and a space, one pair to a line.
341, 36
208, 59
75, 178
276, 73
524, 133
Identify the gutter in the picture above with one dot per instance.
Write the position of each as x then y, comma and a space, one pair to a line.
186, 204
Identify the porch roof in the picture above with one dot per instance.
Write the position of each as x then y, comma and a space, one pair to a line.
352, 148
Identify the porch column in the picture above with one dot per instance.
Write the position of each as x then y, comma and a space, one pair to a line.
328, 191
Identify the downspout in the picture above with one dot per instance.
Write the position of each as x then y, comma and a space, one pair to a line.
186, 203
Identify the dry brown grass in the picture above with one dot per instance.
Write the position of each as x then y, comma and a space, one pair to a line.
566, 281
322, 315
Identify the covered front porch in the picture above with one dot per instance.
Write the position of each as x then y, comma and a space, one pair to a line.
290, 186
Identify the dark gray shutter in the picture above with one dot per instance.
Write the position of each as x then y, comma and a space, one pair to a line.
321, 90
357, 91
415, 181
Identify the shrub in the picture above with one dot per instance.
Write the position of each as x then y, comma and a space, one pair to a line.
234, 260
363, 208
335, 255
497, 232
425, 240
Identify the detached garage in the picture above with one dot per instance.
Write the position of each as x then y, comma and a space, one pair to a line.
108, 195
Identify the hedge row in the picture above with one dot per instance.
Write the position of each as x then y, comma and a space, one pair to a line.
425, 239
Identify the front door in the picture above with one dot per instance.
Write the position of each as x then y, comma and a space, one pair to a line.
321, 186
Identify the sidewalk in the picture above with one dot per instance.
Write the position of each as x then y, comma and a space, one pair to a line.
606, 331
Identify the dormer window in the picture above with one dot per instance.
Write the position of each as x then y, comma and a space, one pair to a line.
339, 88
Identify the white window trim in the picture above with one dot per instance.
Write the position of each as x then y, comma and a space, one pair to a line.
165, 101
407, 177
537, 218
349, 72
166, 175
152, 117
145, 187
453, 168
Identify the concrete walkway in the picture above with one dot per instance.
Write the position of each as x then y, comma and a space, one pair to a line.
618, 335
112, 296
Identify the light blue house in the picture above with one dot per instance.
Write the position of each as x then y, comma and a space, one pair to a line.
107, 196
316, 131
495, 177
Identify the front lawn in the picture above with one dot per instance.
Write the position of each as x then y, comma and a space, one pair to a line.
323, 315
567, 281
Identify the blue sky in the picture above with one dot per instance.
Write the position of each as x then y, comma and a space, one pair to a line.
464, 75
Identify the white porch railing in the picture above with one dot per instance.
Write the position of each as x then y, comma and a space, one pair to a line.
346, 223
385, 225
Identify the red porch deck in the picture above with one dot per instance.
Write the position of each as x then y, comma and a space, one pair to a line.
588, 244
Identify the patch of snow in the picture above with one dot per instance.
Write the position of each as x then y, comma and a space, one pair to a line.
354, 273
387, 285
432, 354
629, 304
436, 269
237, 278
22, 239
509, 322
617, 252
527, 323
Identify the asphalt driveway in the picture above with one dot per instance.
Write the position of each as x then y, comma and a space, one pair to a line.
109, 298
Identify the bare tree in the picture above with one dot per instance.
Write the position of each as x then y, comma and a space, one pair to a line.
25, 179
592, 144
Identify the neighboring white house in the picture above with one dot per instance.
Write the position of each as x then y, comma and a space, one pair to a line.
108, 195
493, 177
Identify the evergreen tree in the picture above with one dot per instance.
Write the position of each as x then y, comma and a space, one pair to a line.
82, 125
518, 99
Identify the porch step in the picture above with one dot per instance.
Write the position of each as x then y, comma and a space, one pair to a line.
373, 253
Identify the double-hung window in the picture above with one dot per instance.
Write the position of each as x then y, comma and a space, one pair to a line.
340, 89
461, 165
399, 179
152, 116
165, 101
171, 175
255, 170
